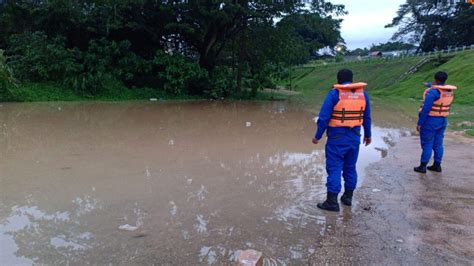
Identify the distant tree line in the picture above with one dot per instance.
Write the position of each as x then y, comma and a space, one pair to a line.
382, 47
208, 48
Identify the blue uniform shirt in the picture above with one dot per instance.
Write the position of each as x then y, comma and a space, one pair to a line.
341, 134
424, 119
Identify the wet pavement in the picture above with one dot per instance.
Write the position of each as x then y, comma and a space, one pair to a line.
180, 183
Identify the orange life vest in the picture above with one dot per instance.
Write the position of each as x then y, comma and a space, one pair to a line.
349, 111
442, 106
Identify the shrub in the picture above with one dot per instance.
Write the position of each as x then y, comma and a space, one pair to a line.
6, 79
176, 73
38, 58
104, 64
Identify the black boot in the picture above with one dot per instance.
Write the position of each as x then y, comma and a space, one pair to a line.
421, 168
331, 203
436, 167
346, 198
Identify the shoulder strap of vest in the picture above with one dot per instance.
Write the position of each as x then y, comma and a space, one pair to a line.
444, 87
351, 86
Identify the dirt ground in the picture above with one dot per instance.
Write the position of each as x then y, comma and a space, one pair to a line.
402, 217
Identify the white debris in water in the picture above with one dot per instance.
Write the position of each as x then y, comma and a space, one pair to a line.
93, 188
189, 181
153, 99
171, 142
127, 227
201, 225
207, 254
185, 234
248, 124
147, 172
201, 194
59, 108
86, 204
174, 208
376, 190
400, 240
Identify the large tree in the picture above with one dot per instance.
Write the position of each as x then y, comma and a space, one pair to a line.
434, 24
132, 36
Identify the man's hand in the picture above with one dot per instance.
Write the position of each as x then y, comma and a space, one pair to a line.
418, 128
367, 141
315, 141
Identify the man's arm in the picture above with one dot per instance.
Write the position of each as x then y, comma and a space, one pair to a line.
325, 113
367, 118
430, 98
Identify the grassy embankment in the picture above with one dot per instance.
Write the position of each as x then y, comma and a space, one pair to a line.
389, 88
42, 92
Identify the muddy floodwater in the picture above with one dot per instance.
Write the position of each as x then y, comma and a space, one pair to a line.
151, 182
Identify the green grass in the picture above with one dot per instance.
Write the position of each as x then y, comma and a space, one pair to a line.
460, 71
389, 91
42, 92
378, 74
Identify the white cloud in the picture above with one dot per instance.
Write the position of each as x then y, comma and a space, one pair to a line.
365, 22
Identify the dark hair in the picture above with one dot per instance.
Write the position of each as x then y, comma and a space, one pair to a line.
344, 75
441, 76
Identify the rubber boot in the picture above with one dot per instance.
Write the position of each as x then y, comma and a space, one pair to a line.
346, 198
436, 167
331, 203
421, 168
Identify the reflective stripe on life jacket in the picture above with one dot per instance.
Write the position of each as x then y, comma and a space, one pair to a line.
442, 106
349, 111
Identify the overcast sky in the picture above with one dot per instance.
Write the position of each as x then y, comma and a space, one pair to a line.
365, 22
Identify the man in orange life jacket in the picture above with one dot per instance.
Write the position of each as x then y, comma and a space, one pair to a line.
432, 121
345, 109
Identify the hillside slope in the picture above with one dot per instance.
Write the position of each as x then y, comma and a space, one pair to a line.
460, 69
314, 82
389, 89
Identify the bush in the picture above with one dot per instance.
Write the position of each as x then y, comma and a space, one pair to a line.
35, 57
221, 84
6, 79
105, 63
176, 73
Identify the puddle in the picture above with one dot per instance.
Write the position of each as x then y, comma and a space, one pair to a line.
197, 181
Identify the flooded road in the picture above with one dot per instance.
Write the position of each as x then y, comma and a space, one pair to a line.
180, 183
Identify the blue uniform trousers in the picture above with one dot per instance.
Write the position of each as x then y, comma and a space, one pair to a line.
431, 139
342, 151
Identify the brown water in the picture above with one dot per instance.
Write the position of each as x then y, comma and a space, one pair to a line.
197, 181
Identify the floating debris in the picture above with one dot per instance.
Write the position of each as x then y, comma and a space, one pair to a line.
127, 227
153, 99
248, 124
250, 257
376, 190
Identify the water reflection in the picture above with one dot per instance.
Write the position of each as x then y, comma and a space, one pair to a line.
191, 182
28, 230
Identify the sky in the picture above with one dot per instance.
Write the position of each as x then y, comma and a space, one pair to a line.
364, 25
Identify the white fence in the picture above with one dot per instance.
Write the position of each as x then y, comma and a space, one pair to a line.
404, 55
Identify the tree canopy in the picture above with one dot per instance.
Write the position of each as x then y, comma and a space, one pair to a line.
435, 24
179, 46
